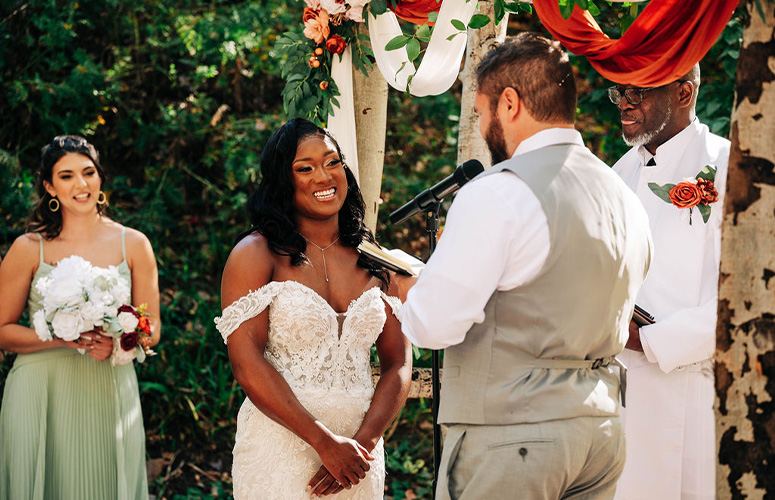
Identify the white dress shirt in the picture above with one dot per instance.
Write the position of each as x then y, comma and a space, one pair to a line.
495, 238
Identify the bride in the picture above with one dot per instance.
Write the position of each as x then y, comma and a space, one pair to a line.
302, 311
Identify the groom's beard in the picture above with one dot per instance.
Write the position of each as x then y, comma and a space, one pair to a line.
496, 142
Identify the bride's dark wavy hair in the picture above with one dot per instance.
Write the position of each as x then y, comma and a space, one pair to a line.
42, 220
271, 206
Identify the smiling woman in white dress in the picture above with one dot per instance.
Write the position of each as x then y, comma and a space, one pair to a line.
301, 312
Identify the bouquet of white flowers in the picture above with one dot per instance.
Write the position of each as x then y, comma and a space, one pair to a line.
79, 297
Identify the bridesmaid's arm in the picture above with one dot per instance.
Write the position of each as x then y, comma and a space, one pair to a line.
248, 268
145, 278
16, 273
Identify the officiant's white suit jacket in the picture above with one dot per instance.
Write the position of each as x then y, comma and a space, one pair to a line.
669, 419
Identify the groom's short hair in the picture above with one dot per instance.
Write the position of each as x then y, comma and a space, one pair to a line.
538, 69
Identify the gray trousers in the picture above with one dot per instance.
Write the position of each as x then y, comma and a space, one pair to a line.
577, 458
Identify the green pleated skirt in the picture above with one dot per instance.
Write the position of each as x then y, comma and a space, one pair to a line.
71, 428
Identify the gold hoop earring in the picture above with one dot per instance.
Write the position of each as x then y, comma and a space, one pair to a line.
102, 198
55, 206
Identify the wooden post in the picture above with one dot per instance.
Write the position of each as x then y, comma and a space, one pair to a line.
370, 96
470, 143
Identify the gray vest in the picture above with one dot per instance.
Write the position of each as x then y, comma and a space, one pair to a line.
543, 349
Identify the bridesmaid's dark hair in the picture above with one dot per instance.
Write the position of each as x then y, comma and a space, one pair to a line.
271, 204
42, 220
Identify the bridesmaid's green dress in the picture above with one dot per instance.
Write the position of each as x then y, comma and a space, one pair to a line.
71, 427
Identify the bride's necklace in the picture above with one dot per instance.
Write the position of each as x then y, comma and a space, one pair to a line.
322, 251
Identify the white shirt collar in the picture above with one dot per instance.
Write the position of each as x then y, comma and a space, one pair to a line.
673, 147
549, 137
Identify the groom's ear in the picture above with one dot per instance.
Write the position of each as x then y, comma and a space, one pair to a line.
510, 104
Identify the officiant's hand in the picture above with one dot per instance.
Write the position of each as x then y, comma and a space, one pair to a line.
633, 343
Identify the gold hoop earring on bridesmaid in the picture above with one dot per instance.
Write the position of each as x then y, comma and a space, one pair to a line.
102, 198
53, 205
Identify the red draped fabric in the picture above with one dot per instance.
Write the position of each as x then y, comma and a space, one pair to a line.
662, 45
416, 11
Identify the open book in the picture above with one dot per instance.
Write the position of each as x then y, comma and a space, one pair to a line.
641, 317
382, 257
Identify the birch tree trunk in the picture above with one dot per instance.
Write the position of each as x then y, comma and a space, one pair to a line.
745, 349
370, 96
470, 143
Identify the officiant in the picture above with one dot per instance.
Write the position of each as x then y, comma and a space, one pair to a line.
529, 292
669, 420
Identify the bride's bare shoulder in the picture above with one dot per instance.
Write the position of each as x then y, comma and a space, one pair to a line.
250, 265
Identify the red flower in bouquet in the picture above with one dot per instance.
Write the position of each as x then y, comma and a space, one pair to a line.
129, 341
336, 44
144, 325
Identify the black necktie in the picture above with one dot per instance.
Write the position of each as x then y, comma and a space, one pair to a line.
651, 162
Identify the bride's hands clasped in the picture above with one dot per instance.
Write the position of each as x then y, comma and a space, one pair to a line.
345, 462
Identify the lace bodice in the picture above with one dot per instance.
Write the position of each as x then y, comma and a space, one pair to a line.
304, 344
328, 373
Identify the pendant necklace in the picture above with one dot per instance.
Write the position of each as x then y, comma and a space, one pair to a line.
322, 251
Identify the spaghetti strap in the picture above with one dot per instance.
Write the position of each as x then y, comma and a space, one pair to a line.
123, 241
40, 239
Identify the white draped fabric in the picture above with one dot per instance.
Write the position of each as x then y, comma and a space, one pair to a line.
341, 121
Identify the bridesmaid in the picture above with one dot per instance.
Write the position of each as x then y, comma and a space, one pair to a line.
70, 423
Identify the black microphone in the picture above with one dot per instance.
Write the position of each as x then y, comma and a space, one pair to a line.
435, 194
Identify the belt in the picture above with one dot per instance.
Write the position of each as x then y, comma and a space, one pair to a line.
587, 364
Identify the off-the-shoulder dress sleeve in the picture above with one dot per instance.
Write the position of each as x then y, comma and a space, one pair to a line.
245, 308
393, 302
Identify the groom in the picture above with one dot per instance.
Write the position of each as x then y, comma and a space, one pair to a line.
530, 292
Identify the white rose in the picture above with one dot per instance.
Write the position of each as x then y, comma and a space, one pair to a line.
42, 285
121, 292
120, 356
41, 327
127, 321
333, 7
92, 315
67, 325
65, 293
72, 268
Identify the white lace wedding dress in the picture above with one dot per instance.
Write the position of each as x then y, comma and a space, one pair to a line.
329, 374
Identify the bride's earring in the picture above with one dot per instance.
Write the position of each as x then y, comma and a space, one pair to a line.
53, 205
102, 198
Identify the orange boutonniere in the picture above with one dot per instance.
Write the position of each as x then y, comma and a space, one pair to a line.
699, 192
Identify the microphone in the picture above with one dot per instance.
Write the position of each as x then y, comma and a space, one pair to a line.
436, 193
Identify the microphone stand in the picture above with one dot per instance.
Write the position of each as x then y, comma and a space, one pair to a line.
432, 228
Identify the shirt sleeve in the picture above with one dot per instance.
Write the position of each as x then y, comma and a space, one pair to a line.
496, 238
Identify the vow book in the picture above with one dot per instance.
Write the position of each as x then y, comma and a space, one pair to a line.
386, 260
641, 317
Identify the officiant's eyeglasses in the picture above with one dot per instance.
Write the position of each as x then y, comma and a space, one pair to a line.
633, 95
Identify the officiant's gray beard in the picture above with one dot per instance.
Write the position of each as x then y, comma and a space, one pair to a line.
647, 136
